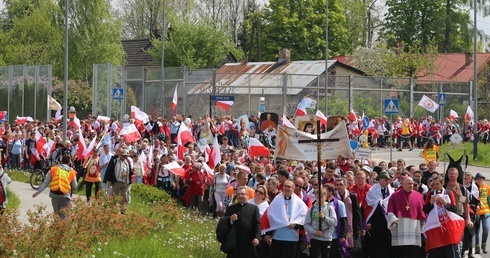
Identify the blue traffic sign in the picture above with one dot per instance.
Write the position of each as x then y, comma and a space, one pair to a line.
442, 99
391, 106
223, 98
118, 93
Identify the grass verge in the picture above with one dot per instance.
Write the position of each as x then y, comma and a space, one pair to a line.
482, 160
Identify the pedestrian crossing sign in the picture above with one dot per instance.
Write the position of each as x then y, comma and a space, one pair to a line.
118, 93
391, 106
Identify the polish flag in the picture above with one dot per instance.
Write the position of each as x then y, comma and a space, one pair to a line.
20, 120
225, 105
275, 216
256, 148
443, 229
352, 115
34, 156
322, 117
137, 114
452, 115
286, 123
470, 116
81, 145
146, 162
41, 143
184, 136
3, 115
174, 100
130, 133
58, 116
175, 168
300, 111
215, 154
50, 147
209, 172
90, 148
76, 123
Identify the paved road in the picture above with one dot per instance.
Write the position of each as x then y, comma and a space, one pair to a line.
24, 192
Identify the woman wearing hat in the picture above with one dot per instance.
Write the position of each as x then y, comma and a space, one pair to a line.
484, 213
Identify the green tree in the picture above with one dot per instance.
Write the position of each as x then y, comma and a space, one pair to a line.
195, 44
300, 26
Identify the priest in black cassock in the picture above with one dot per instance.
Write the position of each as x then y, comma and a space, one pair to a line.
246, 220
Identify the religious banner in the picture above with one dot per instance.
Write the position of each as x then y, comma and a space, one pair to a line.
288, 146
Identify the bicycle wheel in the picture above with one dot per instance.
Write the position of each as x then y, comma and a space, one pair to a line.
37, 178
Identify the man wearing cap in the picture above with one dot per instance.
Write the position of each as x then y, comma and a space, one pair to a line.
118, 175
378, 236
484, 213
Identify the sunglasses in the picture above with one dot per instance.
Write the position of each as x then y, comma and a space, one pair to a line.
259, 192
298, 185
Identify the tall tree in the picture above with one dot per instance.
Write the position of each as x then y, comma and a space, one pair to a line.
195, 44
300, 26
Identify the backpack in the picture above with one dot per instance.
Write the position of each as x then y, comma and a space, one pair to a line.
3, 193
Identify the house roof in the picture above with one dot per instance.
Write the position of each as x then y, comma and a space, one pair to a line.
265, 77
453, 67
447, 67
136, 54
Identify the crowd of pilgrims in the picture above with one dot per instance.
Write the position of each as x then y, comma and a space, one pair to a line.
365, 208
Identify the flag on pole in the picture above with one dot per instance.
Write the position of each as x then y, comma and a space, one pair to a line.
452, 114
53, 104
174, 100
225, 105
3, 115
321, 117
41, 143
286, 123
183, 136
256, 148
81, 145
352, 115
175, 168
139, 115
428, 104
300, 112
307, 102
130, 133
90, 148
469, 114
215, 154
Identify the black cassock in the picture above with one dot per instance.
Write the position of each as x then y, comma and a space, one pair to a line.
247, 228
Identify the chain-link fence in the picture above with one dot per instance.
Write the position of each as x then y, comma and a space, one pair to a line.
25, 90
282, 92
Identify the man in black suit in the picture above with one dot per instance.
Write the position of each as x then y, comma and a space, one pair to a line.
246, 220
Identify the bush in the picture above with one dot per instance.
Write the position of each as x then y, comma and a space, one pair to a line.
149, 194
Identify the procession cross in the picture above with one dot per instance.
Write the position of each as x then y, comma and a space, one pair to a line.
319, 142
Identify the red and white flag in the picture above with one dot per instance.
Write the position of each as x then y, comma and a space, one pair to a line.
139, 115
130, 133
41, 143
34, 156
215, 154
256, 148
352, 115
90, 148
20, 120
286, 123
275, 216
3, 115
321, 117
103, 118
81, 145
184, 136
428, 104
174, 100
443, 228
58, 116
452, 114
175, 168
300, 112
51, 146
225, 105
470, 116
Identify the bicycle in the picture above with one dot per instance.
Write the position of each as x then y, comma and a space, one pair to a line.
38, 175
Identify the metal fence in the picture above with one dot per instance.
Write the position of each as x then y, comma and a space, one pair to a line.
281, 92
25, 89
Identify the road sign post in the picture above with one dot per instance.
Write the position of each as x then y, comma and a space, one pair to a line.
391, 108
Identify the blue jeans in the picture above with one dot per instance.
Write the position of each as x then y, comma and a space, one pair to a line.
484, 224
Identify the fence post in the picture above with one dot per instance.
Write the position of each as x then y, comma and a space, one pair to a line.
143, 91
381, 107
24, 75
249, 93
95, 97
50, 89
36, 90
351, 93
10, 90
410, 102
185, 91
213, 92
285, 92
109, 89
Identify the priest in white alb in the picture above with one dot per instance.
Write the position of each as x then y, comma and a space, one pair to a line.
405, 218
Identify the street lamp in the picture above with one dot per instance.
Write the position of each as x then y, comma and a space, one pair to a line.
73, 112
475, 87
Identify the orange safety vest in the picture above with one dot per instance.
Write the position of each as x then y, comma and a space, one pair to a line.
430, 154
61, 179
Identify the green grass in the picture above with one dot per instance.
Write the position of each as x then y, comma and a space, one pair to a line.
19, 175
193, 236
483, 158
13, 200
